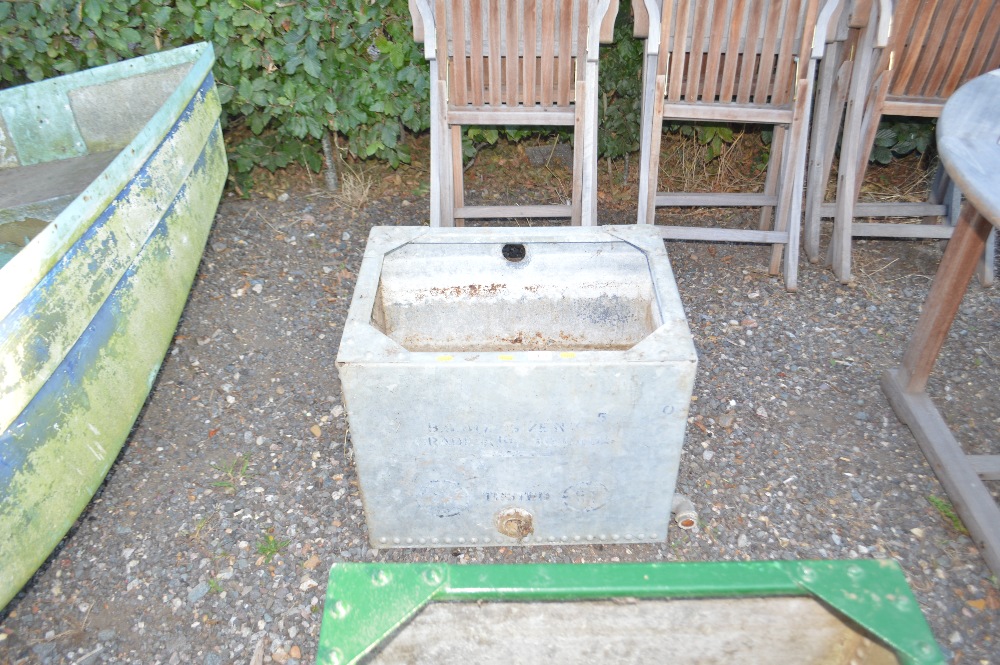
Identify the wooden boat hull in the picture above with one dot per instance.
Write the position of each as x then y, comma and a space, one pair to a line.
89, 307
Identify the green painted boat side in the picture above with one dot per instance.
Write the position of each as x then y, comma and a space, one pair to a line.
89, 307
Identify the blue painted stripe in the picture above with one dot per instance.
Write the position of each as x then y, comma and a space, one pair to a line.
31, 429
26, 308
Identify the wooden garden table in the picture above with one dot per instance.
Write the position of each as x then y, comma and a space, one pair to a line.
968, 134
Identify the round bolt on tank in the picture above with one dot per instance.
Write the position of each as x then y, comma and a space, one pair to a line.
515, 523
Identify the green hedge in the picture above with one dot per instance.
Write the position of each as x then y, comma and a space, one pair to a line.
290, 70
287, 70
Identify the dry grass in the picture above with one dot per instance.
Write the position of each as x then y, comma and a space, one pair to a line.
904, 179
355, 188
504, 171
741, 167
357, 185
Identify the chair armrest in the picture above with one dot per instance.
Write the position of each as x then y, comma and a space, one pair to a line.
860, 14
827, 26
885, 10
608, 23
640, 19
418, 23
647, 15
422, 15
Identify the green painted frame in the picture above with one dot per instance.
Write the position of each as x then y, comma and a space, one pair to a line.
366, 602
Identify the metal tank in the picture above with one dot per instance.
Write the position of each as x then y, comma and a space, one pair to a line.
516, 385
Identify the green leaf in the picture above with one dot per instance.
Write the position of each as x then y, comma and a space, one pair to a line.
161, 16
226, 94
247, 58
312, 67
92, 9
34, 72
881, 155
245, 88
313, 159
396, 56
885, 137
904, 147
259, 23
243, 17
390, 134
292, 64
257, 123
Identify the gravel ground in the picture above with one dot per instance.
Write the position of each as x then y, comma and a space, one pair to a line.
213, 535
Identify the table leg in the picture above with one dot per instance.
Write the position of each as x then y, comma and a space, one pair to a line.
952, 279
904, 386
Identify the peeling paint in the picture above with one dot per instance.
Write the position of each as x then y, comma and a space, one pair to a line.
8, 156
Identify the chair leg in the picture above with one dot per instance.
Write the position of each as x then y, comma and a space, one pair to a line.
440, 177
445, 171
797, 166
782, 215
588, 91
767, 219
777, 173
788, 216
820, 129
831, 95
576, 202
860, 123
861, 116
943, 190
653, 90
458, 174
839, 256
582, 188
985, 271
445, 176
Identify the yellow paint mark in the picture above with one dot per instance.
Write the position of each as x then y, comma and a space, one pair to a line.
505, 356
444, 359
567, 354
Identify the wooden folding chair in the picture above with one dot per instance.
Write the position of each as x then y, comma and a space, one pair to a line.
932, 47
832, 82
512, 62
744, 61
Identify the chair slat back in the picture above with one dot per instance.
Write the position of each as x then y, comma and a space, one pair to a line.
937, 45
514, 52
734, 51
